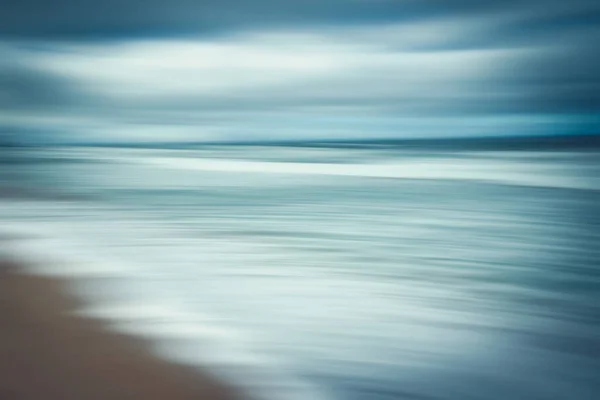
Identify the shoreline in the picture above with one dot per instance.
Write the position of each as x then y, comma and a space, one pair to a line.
46, 352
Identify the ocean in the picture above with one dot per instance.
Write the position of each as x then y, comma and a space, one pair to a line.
367, 272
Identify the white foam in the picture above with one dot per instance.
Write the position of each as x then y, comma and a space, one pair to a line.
516, 173
178, 335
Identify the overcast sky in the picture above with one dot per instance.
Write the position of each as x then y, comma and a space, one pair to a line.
149, 70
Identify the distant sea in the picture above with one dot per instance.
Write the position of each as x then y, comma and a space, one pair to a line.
371, 271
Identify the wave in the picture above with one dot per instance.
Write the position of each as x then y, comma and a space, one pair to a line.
111, 293
564, 170
522, 174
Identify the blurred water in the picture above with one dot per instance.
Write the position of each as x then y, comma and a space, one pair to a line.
334, 273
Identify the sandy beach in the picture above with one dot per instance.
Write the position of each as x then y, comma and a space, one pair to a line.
47, 353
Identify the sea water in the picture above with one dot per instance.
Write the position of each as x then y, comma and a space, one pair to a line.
331, 272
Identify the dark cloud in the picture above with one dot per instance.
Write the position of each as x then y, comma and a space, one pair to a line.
565, 81
117, 18
25, 88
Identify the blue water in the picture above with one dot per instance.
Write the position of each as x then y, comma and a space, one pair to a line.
332, 273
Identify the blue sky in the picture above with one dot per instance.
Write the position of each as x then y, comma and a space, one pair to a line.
263, 69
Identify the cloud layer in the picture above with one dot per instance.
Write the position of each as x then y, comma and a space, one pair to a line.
261, 69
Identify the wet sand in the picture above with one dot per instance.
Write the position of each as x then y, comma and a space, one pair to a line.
46, 353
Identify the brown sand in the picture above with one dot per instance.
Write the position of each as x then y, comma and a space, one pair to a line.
48, 354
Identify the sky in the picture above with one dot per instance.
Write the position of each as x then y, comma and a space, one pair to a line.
229, 70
